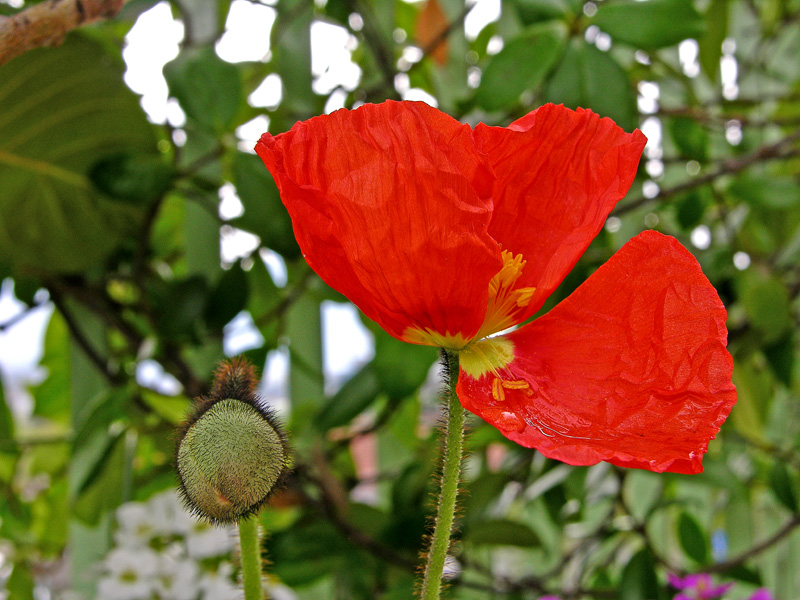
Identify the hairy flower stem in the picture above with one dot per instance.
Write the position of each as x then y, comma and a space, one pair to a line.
451, 474
251, 558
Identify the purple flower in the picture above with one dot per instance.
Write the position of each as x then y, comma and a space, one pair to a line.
762, 594
699, 587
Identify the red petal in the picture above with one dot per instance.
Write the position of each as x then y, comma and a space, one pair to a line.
390, 204
631, 368
559, 173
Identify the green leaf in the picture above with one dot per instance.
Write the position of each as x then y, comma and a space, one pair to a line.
352, 398
781, 358
691, 207
103, 487
20, 583
536, 11
228, 298
783, 487
690, 137
589, 78
716, 20
208, 89
651, 24
172, 409
501, 532
179, 306
766, 301
52, 396
134, 178
639, 580
521, 65
6, 419
264, 213
62, 110
692, 538
401, 368
767, 191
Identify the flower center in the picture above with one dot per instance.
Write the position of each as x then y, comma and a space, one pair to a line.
505, 301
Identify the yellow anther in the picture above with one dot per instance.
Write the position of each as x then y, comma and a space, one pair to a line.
497, 390
500, 385
524, 296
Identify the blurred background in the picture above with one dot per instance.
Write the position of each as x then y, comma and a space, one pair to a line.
141, 241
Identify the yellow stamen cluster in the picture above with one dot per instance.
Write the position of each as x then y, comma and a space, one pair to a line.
504, 300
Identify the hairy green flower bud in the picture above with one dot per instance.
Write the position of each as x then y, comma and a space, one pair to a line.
232, 452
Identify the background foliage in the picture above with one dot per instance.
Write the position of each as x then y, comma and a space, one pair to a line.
114, 221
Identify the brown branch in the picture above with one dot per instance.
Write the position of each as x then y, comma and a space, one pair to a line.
781, 149
742, 558
47, 24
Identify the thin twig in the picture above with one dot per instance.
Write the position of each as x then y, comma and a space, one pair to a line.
781, 149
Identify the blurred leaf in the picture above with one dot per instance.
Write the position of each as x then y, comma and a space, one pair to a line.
501, 532
781, 357
52, 396
228, 297
783, 487
690, 137
766, 301
521, 65
134, 178
173, 409
691, 207
208, 89
6, 419
586, 77
180, 306
536, 11
745, 574
101, 490
716, 22
766, 190
264, 213
353, 397
20, 583
651, 24
61, 111
693, 539
401, 368
639, 580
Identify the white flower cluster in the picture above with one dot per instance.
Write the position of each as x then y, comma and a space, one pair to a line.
161, 552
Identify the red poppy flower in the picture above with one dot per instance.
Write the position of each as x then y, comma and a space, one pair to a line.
445, 235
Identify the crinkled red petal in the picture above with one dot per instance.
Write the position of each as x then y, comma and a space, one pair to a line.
631, 368
390, 204
559, 174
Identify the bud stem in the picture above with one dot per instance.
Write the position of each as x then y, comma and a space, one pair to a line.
251, 558
451, 475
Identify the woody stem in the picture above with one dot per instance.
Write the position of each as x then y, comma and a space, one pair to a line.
251, 559
451, 474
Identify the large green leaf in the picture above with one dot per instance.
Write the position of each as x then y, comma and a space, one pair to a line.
692, 538
264, 214
521, 65
207, 88
650, 24
639, 580
589, 78
501, 532
62, 110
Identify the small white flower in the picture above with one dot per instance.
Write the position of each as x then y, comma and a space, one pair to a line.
130, 574
218, 585
178, 580
137, 525
169, 513
204, 540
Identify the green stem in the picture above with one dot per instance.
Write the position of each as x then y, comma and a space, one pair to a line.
251, 558
451, 474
